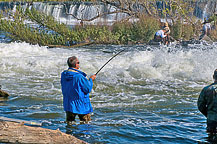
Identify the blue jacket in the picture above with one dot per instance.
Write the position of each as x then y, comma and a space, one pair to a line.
75, 89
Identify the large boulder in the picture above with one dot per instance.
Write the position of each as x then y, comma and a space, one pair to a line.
12, 132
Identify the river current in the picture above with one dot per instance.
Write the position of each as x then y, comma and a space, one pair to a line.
144, 95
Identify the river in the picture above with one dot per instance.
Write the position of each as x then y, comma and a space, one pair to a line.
144, 95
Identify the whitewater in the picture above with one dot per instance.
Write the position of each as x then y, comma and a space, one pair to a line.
147, 94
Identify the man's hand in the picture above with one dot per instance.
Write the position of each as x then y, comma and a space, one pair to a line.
93, 77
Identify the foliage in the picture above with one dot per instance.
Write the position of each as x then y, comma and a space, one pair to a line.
49, 22
51, 32
213, 34
99, 34
187, 31
197, 26
122, 32
144, 29
176, 30
19, 31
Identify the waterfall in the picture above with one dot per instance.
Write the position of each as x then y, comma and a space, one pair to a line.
57, 11
82, 10
87, 10
205, 9
205, 12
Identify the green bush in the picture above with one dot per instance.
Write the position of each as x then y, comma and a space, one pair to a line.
144, 29
187, 32
213, 34
122, 32
176, 30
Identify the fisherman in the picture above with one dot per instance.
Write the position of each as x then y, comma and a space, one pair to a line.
75, 89
207, 104
206, 29
161, 36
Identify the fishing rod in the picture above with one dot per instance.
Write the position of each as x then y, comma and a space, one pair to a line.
109, 61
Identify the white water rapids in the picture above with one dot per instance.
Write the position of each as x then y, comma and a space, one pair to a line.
18, 60
149, 94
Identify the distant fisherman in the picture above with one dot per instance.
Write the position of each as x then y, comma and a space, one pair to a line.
161, 35
207, 104
75, 89
206, 29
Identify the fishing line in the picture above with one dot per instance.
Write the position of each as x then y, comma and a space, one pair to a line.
109, 61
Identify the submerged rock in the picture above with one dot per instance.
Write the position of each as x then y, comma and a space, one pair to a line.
3, 94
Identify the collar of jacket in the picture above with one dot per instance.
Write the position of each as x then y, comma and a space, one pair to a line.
76, 70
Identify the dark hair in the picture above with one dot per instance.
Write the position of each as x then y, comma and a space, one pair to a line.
72, 61
215, 74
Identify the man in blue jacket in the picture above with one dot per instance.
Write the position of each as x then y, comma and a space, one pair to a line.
207, 104
75, 89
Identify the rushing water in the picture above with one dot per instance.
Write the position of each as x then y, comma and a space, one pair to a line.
144, 95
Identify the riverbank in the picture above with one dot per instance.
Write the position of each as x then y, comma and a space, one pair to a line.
13, 132
33, 25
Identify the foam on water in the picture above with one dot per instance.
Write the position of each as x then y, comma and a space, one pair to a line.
149, 93
193, 64
137, 68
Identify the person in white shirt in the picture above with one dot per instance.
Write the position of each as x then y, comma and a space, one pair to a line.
160, 36
206, 29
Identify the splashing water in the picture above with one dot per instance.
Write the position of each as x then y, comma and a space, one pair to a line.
145, 94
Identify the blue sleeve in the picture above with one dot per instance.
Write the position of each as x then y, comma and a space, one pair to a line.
86, 85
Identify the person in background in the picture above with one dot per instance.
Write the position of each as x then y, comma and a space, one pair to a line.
206, 29
207, 104
169, 38
75, 89
160, 36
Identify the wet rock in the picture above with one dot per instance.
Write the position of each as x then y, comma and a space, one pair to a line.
205, 41
12, 132
3, 94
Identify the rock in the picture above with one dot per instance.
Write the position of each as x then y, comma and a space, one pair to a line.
207, 39
12, 132
3, 94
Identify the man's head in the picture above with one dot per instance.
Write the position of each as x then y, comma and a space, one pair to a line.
167, 30
73, 62
166, 24
215, 75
